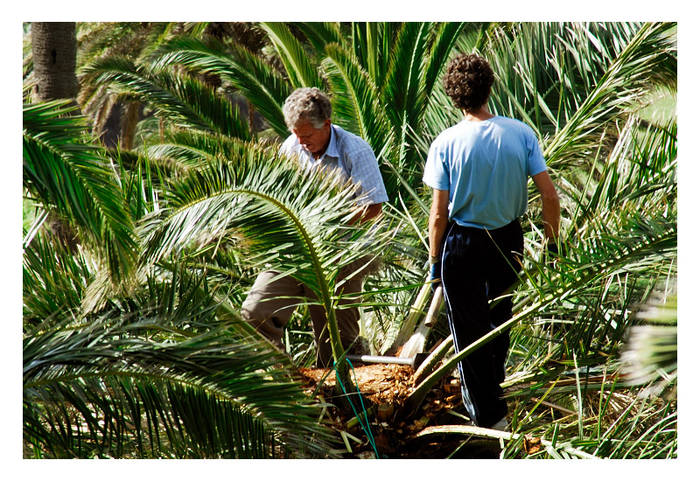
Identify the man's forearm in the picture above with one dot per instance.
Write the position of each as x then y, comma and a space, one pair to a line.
551, 217
550, 205
367, 213
436, 232
437, 222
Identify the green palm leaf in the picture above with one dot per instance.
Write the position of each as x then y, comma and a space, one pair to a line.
320, 33
123, 384
260, 83
70, 177
445, 38
53, 279
296, 60
403, 89
617, 89
182, 100
302, 230
356, 99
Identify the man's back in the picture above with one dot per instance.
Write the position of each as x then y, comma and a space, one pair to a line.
484, 164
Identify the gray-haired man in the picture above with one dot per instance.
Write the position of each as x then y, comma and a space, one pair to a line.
318, 143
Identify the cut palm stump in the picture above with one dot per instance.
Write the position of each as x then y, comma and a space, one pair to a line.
386, 381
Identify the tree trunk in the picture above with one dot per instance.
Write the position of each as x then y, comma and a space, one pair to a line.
129, 120
54, 47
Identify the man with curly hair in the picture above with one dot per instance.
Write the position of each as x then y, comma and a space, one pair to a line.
319, 144
478, 170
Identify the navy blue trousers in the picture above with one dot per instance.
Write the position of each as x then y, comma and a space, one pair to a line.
478, 265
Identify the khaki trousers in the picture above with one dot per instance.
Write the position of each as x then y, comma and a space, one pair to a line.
273, 298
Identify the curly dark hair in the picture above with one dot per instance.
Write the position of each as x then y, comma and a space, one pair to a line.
468, 81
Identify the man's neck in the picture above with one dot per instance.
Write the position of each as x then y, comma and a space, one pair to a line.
318, 155
478, 115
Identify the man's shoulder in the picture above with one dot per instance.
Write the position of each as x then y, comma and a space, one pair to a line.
515, 124
450, 134
349, 142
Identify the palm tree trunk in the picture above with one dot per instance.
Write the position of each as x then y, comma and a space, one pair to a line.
129, 121
54, 47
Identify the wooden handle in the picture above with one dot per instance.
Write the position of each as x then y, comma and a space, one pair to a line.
434, 309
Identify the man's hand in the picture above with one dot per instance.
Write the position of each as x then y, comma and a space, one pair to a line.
554, 251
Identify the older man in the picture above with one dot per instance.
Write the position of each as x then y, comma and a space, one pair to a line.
318, 143
478, 170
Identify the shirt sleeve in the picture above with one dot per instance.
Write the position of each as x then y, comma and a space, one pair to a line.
535, 159
364, 171
436, 174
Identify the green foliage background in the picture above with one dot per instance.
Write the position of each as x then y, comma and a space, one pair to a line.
133, 345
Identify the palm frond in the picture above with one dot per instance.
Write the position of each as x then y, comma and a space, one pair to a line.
260, 83
320, 33
615, 91
356, 99
295, 58
445, 38
303, 230
70, 177
403, 89
179, 98
53, 280
188, 149
123, 384
307, 219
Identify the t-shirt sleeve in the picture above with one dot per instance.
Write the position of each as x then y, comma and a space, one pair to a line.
535, 159
436, 174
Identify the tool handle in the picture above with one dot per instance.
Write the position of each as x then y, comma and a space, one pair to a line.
434, 309
381, 359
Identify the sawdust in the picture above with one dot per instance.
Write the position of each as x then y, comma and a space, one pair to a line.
386, 388
380, 383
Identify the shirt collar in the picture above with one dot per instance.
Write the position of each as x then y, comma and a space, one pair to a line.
332, 149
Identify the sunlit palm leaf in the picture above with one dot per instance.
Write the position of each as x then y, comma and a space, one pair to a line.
356, 99
70, 177
296, 59
120, 385
320, 33
445, 37
403, 90
304, 222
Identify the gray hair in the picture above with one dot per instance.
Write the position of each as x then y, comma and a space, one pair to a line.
307, 104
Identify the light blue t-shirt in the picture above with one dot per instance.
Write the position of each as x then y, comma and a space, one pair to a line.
484, 165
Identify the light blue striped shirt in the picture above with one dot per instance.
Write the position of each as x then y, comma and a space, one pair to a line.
484, 165
352, 157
